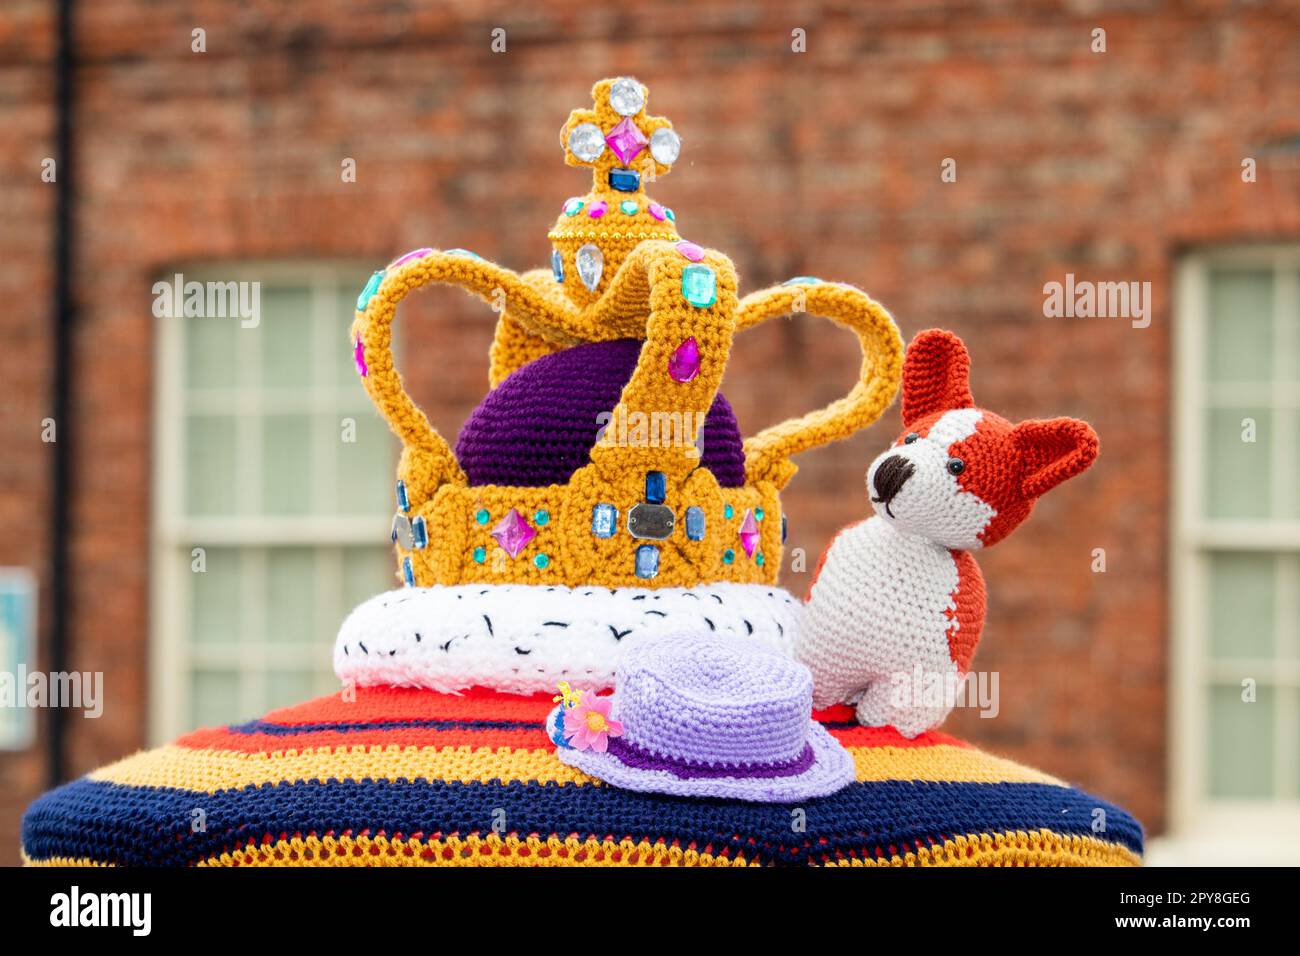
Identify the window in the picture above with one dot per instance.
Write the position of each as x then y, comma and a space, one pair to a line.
1235, 641
273, 494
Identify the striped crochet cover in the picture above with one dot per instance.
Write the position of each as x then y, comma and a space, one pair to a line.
404, 777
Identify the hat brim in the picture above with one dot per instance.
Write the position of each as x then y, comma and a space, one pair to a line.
832, 769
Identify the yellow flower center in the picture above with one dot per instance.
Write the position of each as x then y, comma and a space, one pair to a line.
596, 721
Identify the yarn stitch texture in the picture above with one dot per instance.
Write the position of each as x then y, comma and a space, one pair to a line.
404, 777
897, 604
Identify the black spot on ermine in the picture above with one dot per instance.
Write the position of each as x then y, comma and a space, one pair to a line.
489, 624
619, 635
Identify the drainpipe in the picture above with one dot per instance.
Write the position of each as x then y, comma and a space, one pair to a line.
61, 396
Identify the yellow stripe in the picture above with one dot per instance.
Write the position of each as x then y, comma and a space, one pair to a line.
207, 771
942, 763
1040, 848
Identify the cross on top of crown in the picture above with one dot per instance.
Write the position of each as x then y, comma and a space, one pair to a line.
617, 139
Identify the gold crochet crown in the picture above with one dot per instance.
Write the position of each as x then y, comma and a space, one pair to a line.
637, 513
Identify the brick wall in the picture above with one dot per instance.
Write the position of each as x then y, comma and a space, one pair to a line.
825, 162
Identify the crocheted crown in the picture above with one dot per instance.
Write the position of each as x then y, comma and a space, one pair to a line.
604, 454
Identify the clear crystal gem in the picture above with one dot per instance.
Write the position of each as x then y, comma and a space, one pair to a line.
586, 141
626, 96
591, 263
665, 146
604, 520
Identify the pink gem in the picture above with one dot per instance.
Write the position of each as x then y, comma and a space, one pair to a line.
684, 364
690, 250
597, 209
359, 356
413, 254
626, 140
749, 533
513, 533
657, 211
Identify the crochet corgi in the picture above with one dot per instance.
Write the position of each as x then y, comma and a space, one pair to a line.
899, 595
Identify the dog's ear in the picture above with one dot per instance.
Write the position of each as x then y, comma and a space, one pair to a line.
936, 375
1053, 450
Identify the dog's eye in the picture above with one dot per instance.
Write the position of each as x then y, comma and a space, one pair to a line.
956, 466
910, 437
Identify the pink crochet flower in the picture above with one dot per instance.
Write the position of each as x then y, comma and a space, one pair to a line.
588, 726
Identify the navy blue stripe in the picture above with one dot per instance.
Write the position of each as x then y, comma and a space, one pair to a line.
145, 826
288, 730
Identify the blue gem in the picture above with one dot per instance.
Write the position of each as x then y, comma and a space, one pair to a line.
604, 521
557, 265
784, 528
408, 572
647, 561
403, 502
695, 523
368, 292
624, 180
419, 533
802, 280
656, 487
699, 285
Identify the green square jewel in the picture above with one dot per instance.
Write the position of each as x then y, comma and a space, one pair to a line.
699, 285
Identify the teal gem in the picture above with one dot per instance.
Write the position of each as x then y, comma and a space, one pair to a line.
672, 216
629, 207
802, 280
541, 561
758, 514
758, 558
728, 556
728, 512
542, 517
369, 291
482, 516
480, 555
699, 285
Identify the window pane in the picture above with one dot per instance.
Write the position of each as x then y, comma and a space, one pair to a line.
286, 464
1242, 605
363, 487
210, 465
211, 353
214, 698
367, 572
290, 595
287, 341
1240, 764
216, 596
1240, 347
287, 687
1237, 469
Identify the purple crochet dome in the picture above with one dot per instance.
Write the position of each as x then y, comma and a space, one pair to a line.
539, 425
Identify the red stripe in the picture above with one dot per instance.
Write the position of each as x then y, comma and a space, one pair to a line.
218, 738
375, 704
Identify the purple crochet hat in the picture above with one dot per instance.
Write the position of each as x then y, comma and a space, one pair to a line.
713, 717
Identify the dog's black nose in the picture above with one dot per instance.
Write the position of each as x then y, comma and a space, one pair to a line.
891, 475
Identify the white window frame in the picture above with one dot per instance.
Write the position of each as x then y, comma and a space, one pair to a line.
171, 655
1204, 830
